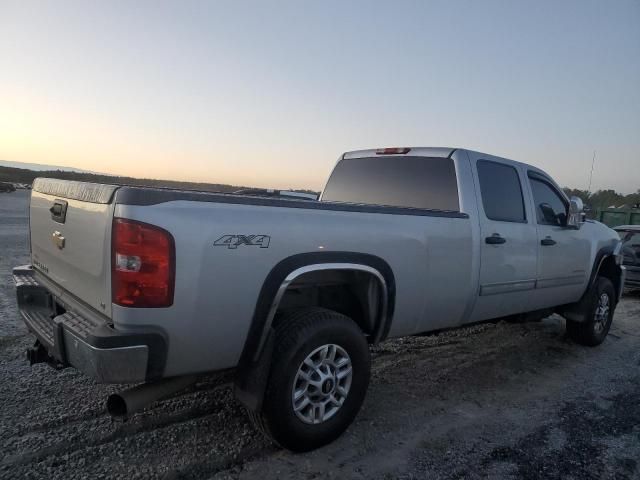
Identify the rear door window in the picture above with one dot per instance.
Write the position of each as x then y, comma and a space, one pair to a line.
501, 192
407, 181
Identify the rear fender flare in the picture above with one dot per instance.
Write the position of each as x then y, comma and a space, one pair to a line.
281, 276
255, 360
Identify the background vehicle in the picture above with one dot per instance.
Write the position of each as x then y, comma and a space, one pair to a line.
133, 284
7, 187
630, 236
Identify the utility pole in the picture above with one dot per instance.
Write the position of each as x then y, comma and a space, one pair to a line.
593, 161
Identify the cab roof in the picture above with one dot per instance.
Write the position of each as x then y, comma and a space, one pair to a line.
443, 152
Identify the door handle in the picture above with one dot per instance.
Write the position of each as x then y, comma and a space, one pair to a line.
547, 242
59, 211
495, 239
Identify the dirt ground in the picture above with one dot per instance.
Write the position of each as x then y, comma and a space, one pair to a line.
492, 401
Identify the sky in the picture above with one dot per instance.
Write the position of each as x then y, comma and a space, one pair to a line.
270, 94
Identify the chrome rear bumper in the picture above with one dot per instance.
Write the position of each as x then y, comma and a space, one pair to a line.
92, 346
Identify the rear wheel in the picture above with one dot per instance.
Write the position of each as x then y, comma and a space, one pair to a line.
318, 380
601, 304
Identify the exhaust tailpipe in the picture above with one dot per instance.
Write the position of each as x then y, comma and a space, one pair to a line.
127, 402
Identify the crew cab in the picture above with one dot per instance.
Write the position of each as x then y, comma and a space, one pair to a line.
156, 286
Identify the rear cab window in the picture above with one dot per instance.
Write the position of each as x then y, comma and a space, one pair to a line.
400, 181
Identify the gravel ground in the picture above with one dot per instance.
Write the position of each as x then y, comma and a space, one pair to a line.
492, 401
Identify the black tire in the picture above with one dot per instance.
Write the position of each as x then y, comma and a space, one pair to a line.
592, 331
297, 335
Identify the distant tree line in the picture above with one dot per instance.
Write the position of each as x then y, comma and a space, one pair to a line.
20, 175
594, 200
606, 198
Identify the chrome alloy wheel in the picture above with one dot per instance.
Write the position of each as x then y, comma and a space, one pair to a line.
322, 384
602, 313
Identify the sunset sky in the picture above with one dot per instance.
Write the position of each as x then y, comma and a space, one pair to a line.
270, 93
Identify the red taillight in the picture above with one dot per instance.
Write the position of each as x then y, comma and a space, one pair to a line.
142, 265
392, 151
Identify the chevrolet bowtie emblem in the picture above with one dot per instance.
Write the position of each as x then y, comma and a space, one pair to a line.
58, 240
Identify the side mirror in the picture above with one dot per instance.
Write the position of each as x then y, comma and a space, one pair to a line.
576, 213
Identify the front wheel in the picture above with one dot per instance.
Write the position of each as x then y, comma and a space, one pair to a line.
601, 304
318, 379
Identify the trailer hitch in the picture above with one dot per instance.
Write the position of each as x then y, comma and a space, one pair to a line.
39, 354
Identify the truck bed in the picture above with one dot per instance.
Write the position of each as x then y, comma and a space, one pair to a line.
208, 319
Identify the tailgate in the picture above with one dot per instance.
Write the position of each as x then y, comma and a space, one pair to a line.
70, 225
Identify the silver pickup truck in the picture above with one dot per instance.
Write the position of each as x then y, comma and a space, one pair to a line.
155, 286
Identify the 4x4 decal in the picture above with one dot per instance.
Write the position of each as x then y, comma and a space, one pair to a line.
233, 241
